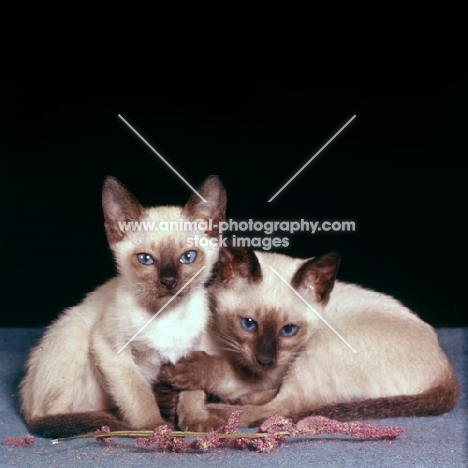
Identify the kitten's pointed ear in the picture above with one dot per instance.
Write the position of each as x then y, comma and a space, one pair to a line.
318, 276
238, 263
119, 206
213, 208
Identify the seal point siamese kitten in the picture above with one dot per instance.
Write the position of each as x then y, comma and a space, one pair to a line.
271, 354
76, 378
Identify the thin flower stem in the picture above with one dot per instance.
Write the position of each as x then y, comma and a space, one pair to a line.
134, 434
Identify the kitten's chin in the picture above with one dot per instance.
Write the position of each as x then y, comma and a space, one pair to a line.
154, 302
160, 299
167, 295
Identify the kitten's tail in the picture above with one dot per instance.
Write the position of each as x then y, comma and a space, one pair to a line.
71, 424
437, 400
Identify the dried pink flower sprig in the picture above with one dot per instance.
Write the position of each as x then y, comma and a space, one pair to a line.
19, 441
269, 435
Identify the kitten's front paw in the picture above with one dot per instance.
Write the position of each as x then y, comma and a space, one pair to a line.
150, 422
193, 414
199, 421
189, 373
190, 423
154, 423
167, 399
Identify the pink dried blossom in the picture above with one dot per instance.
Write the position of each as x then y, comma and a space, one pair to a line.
240, 443
211, 440
19, 441
277, 423
266, 444
104, 440
177, 444
144, 441
161, 438
231, 425
321, 425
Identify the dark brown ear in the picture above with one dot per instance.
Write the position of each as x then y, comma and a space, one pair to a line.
318, 275
238, 262
214, 208
119, 206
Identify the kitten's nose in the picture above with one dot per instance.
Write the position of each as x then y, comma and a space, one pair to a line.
168, 282
264, 360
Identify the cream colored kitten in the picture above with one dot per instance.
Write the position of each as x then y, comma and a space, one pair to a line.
84, 373
274, 355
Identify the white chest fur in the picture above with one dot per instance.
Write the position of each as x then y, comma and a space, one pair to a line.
171, 334
175, 332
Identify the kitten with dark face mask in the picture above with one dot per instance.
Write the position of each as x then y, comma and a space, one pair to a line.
272, 352
92, 368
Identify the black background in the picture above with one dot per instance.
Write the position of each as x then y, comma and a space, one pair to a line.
398, 170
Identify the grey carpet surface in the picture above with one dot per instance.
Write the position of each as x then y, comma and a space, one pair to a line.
440, 441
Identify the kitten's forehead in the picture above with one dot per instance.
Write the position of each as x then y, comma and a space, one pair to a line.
164, 228
168, 213
162, 223
271, 292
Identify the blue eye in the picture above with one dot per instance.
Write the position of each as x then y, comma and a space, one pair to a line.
188, 257
145, 258
248, 324
289, 330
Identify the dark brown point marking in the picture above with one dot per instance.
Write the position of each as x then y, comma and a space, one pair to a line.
438, 400
67, 425
238, 262
214, 208
119, 205
266, 348
320, 273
